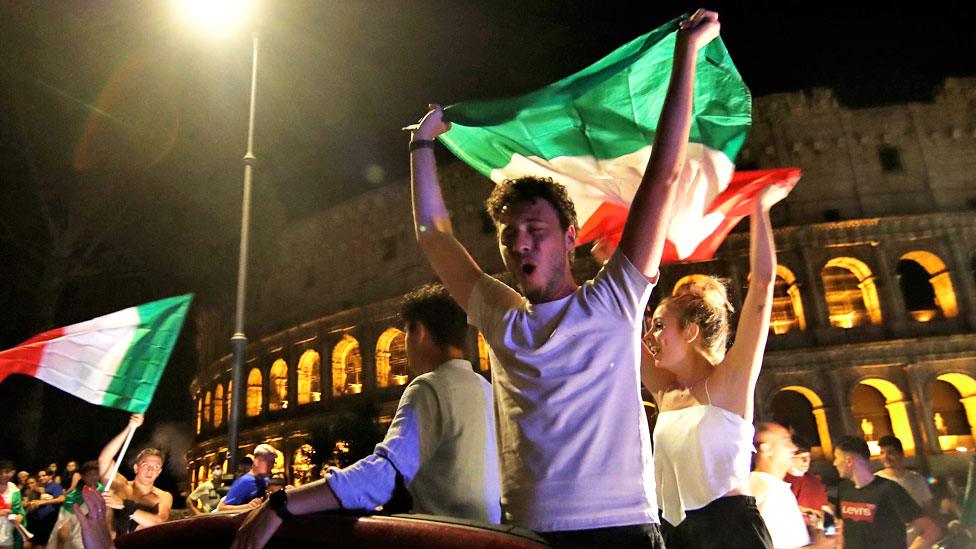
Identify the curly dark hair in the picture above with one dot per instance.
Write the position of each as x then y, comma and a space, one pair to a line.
443, 317
528, 189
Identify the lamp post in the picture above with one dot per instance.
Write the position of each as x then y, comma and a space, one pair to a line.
239, 341
217, 15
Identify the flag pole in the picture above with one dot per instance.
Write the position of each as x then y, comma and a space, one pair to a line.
118, 460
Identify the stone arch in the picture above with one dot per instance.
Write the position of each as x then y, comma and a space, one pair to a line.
309, 382
943, 295
207, 403
391, 358
850, 292
965, 386
255, 397
787, 313
218, 406
819, 416
347, 367
897, 412
278, 386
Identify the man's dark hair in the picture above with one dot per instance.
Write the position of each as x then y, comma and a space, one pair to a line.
6, 465
529, 189
802, 444
246, 461
854, 445
890, 441
88, 466
443, 317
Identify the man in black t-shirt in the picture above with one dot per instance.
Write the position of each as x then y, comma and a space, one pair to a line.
874, 510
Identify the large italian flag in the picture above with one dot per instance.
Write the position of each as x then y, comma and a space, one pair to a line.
114, 360
592, 132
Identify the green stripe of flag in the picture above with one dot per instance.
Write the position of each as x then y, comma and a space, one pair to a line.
139, 373
607, 110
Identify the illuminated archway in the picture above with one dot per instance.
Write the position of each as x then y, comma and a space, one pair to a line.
278, 386
206, 409
965, 386
301, 465
897, 413
254, 398
199, 414
484, 361
851, 293
819, 416
347, 367
391, 358
309, 384
944, 296
690, 279
218, 406
787, 313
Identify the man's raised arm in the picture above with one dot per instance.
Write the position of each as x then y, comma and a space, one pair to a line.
432, 223
650, 212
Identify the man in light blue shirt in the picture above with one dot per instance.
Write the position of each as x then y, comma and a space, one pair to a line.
441, 442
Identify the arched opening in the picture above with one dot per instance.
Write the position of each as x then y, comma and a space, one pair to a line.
484, 361
851, 293
309, 384
254, 387
206, 409
926, 286
954, 411
218, 406
689, 279
347, 367
230, 396
202, 473
278, 394
199, 414
391, 358
802, 410
302, 465
787, 313
879, 409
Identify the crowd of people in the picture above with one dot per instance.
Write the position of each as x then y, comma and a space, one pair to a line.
558, 442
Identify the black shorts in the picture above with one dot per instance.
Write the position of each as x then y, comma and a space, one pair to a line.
731, 522
616, 537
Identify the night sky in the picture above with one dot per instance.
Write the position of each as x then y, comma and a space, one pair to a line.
122, 128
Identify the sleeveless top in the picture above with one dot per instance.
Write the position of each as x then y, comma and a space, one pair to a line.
700, 454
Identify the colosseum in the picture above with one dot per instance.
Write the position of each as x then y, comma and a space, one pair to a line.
873, 319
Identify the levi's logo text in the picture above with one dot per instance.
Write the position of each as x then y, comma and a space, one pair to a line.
857, 511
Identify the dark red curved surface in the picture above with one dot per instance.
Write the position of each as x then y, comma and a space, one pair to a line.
337, 530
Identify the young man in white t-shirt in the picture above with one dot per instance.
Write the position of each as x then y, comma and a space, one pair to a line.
573, 439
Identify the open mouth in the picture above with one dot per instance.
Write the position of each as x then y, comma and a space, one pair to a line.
528, 269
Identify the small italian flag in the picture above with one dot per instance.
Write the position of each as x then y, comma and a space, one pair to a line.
114, 360
592, 132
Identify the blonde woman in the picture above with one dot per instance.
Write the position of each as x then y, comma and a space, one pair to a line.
703, 437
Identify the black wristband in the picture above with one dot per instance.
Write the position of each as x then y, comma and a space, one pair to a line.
421, 144
279, 504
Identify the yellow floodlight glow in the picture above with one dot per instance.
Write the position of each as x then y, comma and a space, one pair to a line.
215, 16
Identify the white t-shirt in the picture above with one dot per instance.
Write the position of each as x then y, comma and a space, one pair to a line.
442, 440
573, 440
779, 511
913, 483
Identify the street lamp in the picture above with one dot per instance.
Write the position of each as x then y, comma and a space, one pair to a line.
220, 17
